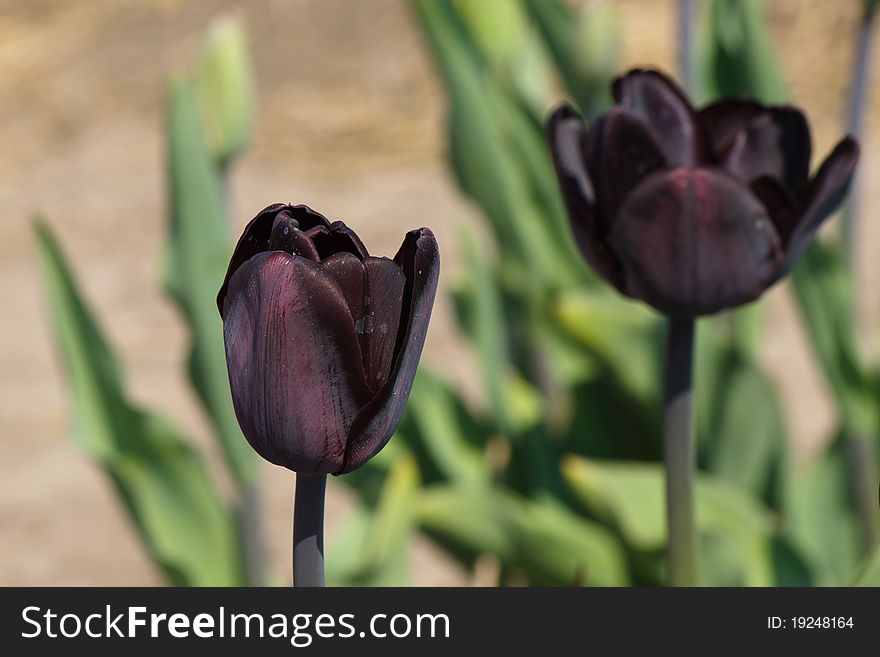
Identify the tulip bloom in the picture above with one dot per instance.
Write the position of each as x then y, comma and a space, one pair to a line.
323, 339
693, 211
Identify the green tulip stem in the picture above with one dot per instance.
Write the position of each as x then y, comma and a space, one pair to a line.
685, 19
679, 453
862, 456
308, 530
861, 448
855, 121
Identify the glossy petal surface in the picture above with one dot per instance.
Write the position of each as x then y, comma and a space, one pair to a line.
663, 107
775, 143
566, 135
257, 234
826, 192
377, 332
694, 241
621, 151
294, 361
419, 259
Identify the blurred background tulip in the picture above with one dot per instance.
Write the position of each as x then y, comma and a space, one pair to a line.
693, 211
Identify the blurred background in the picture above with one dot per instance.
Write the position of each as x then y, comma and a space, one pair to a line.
350, 118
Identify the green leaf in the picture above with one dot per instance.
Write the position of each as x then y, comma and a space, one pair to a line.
225, 89
490, 332
744, 435
447, 440
163, 481
469, 520
557, 547
624, 336
868, 572
820, 517
498, 155
616, 409
511, 47
823, 293
549, 544
790, 568
585, 47
631, 497
738, 54
197, 254
383, 546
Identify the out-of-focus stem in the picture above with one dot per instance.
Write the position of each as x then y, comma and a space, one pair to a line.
861, 449
679, 453
251, 526
685, 19
308, 530
855, 121
862, 459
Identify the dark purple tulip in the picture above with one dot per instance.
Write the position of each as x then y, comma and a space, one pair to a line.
693, 211
323, 339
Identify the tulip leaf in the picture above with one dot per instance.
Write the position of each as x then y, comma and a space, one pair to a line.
820, 516
490, 331
196, 257
444, 436
738, 54
558, 547
512, 48
585, 47
384, 539
162, 480
742, 425
868, 572
631, 496
496, 152
824, 296
624, 336
551, 545
469, 521
225, 89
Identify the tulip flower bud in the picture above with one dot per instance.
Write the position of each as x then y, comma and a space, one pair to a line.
693, 211
323, 339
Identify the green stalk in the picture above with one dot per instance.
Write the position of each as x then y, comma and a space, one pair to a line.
308, 530
685, 21
679, 453
861, 449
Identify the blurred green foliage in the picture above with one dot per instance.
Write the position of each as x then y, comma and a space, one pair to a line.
555, 479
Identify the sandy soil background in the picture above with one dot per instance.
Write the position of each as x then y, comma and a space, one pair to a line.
350, 120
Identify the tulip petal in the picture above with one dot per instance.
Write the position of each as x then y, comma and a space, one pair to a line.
337, 238
779, 205
258, 232
774, 143
349, 273
826, 192
419, 259
694, 241
294, 361
620, 153
665, 109
723, 119
380, 325
566, 135
287, 236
